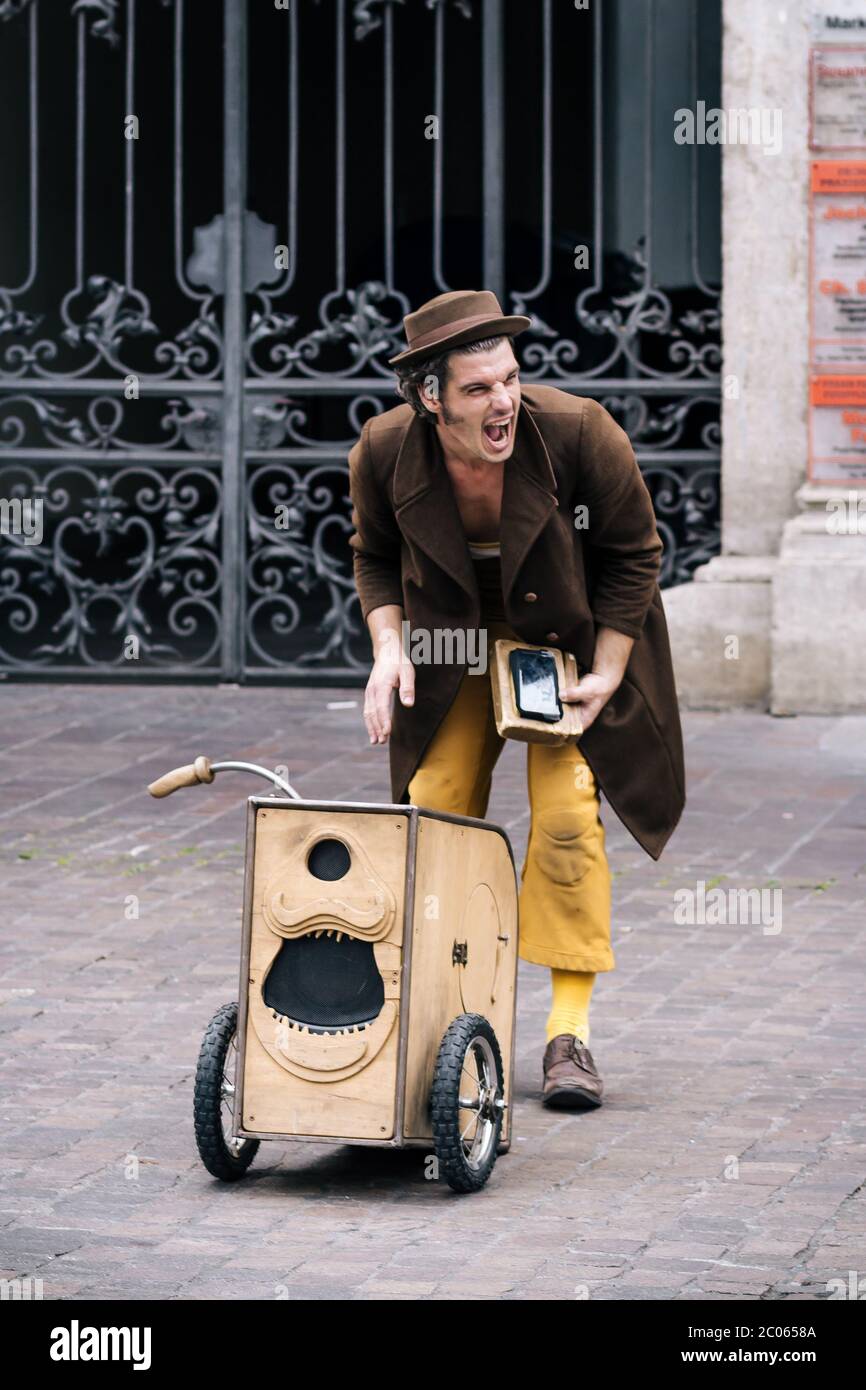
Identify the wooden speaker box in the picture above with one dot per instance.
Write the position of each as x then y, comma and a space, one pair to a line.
368, 930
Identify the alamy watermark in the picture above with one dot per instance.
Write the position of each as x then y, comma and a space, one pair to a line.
853, 1288
22, 516
752, 125
729, 906
77, 1343
442, 646
20, 1290
846, 516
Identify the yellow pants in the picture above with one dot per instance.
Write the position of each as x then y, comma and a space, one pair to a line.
565, 880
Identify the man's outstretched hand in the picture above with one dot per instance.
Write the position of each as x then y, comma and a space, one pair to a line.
392, 670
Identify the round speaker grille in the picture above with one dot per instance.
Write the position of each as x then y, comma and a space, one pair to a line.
329, 859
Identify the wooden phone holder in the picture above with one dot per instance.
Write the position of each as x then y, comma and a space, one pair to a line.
510, 723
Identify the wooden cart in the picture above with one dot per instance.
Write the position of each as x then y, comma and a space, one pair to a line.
377, 985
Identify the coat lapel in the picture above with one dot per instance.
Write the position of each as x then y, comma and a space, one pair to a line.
426, 509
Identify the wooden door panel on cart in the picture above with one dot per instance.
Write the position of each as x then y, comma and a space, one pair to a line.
464, 948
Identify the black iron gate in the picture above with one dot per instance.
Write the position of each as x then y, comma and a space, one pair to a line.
215, 218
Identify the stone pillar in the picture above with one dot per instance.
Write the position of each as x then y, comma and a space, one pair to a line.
819, 608
790, 592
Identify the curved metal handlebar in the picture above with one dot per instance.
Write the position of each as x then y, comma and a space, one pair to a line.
203, 770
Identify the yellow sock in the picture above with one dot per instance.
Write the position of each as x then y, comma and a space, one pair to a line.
569, 1011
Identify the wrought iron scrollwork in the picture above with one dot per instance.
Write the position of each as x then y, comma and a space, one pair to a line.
115, 369
686, 502
9, 9
633, 321
97, 424
653, 425
128, 569
298, 528
103, 14
362, 327
367, 20
104, 316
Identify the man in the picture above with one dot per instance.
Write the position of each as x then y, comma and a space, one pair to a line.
524, 508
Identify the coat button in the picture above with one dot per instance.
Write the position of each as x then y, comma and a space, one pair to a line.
530, 597
551, 637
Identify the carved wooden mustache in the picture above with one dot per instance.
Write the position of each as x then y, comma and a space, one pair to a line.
360, 903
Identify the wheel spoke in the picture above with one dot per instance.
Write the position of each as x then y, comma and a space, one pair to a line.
474, 1120
482, 1066
482, 1071
477, 1144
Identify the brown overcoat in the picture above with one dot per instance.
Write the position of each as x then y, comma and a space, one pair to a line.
410, 548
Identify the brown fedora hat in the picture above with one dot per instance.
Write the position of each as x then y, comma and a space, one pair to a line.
460, 316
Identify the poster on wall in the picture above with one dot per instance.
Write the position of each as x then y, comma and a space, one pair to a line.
837, 97
837, 429
837, 340
838, 264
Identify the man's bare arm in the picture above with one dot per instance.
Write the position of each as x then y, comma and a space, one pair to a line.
383, 621
612, 651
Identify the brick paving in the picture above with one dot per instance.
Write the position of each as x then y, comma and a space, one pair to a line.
727, 1162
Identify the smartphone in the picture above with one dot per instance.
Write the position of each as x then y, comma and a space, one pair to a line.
536, 689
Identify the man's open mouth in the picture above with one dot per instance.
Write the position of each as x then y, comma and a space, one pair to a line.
498, 432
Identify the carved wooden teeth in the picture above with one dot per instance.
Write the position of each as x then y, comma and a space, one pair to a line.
317, 1032
328, 931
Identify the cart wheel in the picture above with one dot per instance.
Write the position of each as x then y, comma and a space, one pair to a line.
467, 1103
213, 1100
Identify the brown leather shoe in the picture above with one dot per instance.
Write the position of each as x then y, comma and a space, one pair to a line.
571, 1081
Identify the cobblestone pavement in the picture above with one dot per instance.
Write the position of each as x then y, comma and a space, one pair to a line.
727, 1161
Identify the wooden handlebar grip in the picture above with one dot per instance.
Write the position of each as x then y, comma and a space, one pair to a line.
189, 776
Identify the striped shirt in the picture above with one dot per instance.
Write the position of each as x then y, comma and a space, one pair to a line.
483, 550
488, 572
